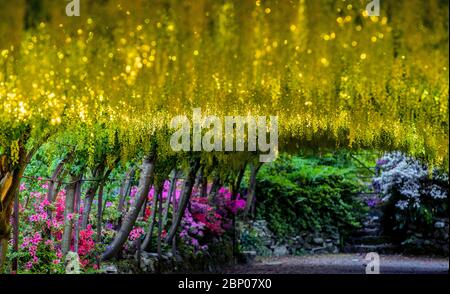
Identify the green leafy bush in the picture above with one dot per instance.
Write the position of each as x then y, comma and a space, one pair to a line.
305, 193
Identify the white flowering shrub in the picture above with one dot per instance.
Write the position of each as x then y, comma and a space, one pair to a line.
413, 195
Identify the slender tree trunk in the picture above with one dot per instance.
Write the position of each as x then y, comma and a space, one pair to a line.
60, 184
105, 199
234, 191
253, 205
90, 194
144, 206
122, 194
237, 183
174, 240
160, 226
147, 244
122, 208
16, 230
138, 241
52, 190
100, 211
51, 186
77, 212
148, 167
204, 186
125, 189
173, 185
187, 190
198, 179
251, 187
58, 170
26, 201
88, 200
98, 181
69, 209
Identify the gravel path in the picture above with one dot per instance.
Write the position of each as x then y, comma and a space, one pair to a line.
341, 264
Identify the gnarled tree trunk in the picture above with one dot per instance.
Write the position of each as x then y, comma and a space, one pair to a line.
187, 190
68, 211
146, 245
100, 211
58, 170
173, 185
148, 167
204, 185
237, 183
160, 225
125, 190
90, 194
77, 202
254, 168
174, 240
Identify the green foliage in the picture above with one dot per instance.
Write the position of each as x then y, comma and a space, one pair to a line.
298, 193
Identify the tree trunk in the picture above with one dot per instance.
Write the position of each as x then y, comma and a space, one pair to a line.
251, 187
58, 170
234, 191
198, 180
88, 200
204, 186
90, 194
100, 212
187, 190
77, 211
173, 185
148, 167
51, 186
147, 244
253, 208
60, 184
174, 240
69, 208
125, 190
237, 183
160, 227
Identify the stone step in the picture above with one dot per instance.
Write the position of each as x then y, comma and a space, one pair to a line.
375, 231
386, 248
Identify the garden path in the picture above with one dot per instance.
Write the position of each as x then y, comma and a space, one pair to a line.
341, 264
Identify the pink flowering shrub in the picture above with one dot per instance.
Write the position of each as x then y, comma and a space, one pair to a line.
86, 246
41, 228
205, 223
